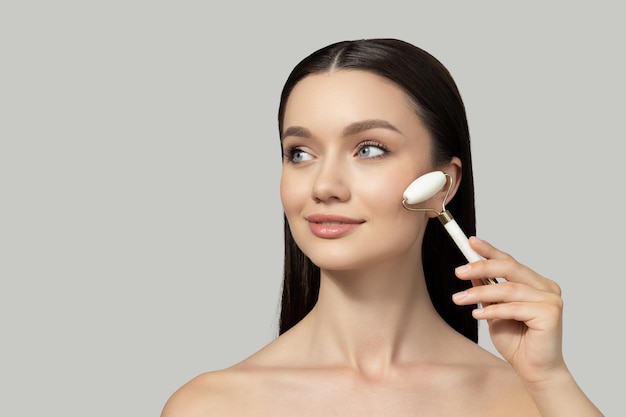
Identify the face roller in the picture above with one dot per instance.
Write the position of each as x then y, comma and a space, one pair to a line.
424, 188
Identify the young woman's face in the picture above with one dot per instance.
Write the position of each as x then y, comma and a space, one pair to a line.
352, 143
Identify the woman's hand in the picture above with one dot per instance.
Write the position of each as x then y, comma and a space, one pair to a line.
524, 313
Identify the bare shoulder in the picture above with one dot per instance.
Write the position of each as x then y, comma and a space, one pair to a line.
511, 397
223, 392
502, 392
195, 397
208, 394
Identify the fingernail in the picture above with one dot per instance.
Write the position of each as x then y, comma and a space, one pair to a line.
463, 269
459, 296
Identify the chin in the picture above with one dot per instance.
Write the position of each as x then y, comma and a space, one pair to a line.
344, 261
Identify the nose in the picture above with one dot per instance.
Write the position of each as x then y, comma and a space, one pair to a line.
331, 182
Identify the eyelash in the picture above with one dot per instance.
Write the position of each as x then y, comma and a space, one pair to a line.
376, 145
289, 152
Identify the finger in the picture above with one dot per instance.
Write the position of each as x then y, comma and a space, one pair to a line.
508, 269
537, 316
473, 240
487, 250
502, 265
505, 292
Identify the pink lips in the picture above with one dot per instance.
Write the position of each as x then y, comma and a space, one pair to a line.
330, 226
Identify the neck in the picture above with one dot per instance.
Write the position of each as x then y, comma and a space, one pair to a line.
369, 320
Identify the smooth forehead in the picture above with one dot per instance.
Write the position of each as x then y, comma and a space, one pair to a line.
346, 96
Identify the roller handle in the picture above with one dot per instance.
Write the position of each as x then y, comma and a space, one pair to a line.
461, 240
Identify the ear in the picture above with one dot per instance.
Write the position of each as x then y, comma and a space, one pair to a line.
453, 169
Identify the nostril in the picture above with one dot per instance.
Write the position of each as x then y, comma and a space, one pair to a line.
330, 182
330, 191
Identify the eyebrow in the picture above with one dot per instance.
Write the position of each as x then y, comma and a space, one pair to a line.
352, 129
364, 125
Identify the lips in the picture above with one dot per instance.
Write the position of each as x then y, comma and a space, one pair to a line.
331, 226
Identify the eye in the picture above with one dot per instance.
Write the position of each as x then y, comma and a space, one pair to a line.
297, 155
371, 150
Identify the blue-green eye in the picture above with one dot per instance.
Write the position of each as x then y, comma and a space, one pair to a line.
370, 150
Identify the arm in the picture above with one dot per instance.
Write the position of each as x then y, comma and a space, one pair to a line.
525, 323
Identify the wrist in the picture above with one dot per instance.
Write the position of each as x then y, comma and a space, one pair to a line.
555, 380
558, 394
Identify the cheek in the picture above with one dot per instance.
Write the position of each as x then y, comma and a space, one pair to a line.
384, 196
384, 190
284, 197
290, 193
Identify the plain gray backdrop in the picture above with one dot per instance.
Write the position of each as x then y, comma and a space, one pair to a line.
140, 220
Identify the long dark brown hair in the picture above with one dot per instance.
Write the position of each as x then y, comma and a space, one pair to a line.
439, 106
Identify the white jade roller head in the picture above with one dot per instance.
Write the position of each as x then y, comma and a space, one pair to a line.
424, 187
427, 186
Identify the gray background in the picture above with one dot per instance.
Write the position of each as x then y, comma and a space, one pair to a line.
140, 221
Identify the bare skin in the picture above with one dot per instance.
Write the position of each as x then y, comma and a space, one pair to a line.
374, 345
451, 376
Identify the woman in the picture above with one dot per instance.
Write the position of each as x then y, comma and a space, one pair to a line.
376, 320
